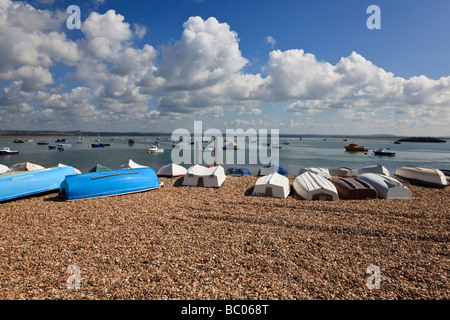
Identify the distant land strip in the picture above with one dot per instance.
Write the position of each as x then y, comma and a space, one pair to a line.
79, 133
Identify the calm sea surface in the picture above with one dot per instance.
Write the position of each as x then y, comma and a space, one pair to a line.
329, 153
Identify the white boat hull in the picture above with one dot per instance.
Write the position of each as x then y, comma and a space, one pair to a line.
273, 185
426, 176
386, 187
310, 186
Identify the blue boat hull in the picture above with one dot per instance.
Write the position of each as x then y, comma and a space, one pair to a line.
33, 182
108, 183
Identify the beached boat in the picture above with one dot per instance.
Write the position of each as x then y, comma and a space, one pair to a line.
354, 189
5, 151
383, 152
33, 182
378, 168
108, 183
131, 165
356, 148
387, 187
200, 176
154, 149
3, 168
24, 167
274, 185
269, 169
100, 168
323, 172
343, 172
422, 176
310, 186
172, 170
446, 172
238, 172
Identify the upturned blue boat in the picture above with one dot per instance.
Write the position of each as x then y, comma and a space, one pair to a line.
33, 182
239, 172
108, 183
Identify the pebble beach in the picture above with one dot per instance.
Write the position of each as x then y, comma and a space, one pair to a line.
189, 243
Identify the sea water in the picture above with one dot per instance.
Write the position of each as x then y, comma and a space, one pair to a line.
308, 152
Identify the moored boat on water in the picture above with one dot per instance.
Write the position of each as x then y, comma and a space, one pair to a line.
423, 176
356, 148
154, 149
310, 186
5, 151
108, 183
383, 152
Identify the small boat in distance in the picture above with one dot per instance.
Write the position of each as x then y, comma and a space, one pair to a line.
5, 151
130, 141
42, 143
154, 149
356, 148
383, 152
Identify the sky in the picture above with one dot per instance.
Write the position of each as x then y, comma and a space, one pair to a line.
302, 67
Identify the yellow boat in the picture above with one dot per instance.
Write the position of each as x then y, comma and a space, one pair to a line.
355, 147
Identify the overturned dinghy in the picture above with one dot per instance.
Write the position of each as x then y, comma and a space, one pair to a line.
343, 172
32, 182
423, 176
273, 185
379, 169
322, 172
387, 187
238, 172
354, 189
3, 168
310, 186
108, 183
131, 165
25, 166
172, 170
274, 168
200, 176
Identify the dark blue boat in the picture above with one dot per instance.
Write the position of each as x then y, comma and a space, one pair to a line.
274, 168
108, 183
97, 145
239, 172
33, 182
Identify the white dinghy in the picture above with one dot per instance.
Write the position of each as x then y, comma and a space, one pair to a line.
171, 170
25, 166
379, 169
200, 176
3, 168
424, 176
310, 186
322, 172
131, 165
343, 172
387, 187
273, 185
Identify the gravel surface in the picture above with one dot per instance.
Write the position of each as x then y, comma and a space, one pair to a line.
198, 243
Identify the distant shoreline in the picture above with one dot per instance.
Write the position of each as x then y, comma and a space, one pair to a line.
37, 134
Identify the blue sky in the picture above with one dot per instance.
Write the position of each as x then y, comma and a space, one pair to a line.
297, 66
